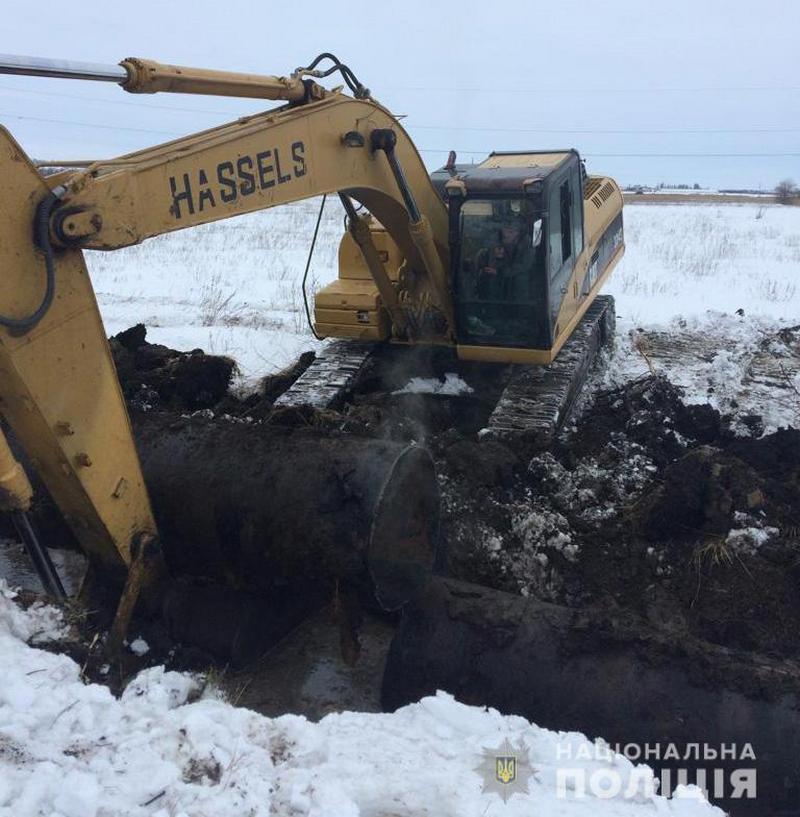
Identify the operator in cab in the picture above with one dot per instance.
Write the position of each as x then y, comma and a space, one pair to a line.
503, 267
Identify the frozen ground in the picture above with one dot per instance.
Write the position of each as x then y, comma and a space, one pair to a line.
700, 294
234, 288
171, 747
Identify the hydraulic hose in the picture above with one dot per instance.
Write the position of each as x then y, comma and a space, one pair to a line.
308, 266
42, 238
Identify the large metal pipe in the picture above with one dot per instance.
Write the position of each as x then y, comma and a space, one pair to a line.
265, 504
65, 69
605, 672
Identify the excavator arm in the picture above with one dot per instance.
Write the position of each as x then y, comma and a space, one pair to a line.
60, 394
59, 391
337, 144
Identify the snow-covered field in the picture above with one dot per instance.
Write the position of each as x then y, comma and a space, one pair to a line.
170, 748
231, 288
700, 294
684, 260
234, 288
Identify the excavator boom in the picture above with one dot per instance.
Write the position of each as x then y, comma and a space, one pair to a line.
60, 392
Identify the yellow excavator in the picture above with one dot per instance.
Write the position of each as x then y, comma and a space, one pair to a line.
500, 261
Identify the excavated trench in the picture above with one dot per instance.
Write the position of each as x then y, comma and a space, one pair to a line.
639, 580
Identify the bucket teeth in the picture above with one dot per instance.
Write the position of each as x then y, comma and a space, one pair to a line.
537, 400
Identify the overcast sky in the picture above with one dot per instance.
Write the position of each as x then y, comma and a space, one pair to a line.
649, 91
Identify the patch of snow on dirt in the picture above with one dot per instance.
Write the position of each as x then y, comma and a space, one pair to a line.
743, 366
451, 386
139, 647
749, 540
542, 528
72, 749
39, 624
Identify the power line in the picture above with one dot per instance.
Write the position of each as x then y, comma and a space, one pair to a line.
688, 155
422, 150
572, 89
89, 124
575, 90
635, 155
476, 129
124, 101
603, 131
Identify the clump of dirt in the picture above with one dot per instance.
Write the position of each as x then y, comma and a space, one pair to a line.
698, 495
156, 376
274, 385
648, 411
727, 520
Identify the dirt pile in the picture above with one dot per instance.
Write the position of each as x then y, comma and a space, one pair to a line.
156, 376
645, 502
651, 505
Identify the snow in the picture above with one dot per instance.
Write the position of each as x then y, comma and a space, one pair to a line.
720, 280
170, 746
735, 363
451, 386
39, 624
686, 259
749, 540
230, 288
139, 647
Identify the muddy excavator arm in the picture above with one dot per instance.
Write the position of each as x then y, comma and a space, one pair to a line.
59, 391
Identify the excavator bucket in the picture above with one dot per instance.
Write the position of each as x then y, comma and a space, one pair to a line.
59, 391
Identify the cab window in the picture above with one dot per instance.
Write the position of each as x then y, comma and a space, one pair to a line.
565, 206
577, 211
501, 287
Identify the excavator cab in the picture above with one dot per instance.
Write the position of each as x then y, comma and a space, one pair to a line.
516, 231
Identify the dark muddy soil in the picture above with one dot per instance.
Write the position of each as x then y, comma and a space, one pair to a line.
644, 502
650, 505
154, 376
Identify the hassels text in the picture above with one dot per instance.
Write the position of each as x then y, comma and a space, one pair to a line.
233, 179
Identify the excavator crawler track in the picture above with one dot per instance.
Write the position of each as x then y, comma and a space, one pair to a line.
538, 399
327, 380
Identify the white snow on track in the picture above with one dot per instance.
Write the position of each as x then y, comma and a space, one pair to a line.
71, 749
